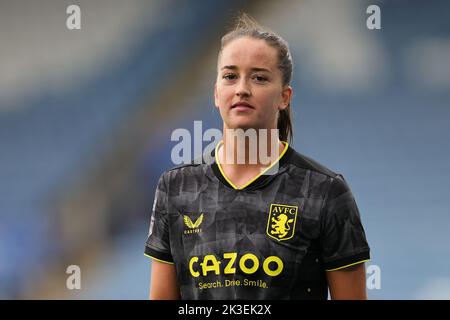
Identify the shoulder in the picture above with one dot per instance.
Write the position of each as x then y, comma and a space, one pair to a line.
302, 161
319, 173
196, 168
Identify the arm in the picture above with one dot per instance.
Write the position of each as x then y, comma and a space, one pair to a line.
348, 283
344, 243
163, 284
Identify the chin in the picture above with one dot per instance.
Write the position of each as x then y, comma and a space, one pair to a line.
244, 125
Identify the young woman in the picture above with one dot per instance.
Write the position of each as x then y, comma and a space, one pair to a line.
285, 228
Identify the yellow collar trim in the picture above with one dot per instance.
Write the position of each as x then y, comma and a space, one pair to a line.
286, 146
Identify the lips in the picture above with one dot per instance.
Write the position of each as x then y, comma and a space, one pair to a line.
242, 105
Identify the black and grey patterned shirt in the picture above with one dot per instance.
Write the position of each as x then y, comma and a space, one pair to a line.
273, 239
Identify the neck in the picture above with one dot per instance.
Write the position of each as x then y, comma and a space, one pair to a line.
250, 148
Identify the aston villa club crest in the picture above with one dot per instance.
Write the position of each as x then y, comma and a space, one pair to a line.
281, 221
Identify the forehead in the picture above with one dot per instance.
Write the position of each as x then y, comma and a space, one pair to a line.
247, 53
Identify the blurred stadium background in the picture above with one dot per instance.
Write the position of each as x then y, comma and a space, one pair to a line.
86, 117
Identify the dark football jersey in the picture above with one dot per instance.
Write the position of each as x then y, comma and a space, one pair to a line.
275, 238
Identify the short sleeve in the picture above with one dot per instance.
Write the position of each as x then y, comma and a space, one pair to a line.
343, 240
158, 242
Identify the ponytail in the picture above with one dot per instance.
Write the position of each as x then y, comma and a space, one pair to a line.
285, 125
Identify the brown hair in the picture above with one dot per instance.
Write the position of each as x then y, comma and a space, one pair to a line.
246, 26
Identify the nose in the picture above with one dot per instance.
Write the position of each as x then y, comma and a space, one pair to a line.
243, 89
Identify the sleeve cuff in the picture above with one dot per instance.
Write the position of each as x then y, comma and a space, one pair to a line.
157, 255
347, 261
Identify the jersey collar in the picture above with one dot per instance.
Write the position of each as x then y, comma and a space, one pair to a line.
258, 181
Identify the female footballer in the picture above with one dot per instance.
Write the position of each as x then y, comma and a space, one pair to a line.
283, 228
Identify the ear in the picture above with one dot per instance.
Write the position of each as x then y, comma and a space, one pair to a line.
285, 97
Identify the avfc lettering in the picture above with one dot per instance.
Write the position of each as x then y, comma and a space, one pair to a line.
284, 209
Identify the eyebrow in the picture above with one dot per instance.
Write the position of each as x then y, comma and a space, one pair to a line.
253, 69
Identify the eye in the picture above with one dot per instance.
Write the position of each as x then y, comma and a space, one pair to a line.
229, 76
261, 78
